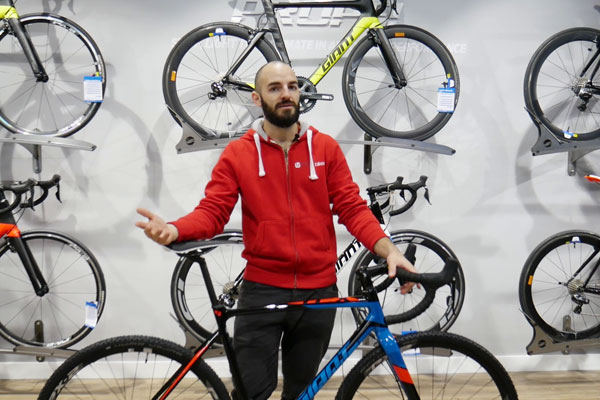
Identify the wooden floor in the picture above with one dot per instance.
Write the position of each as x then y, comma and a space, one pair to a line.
530, 385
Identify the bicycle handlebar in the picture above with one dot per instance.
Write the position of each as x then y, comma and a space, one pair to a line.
430, 282
412, 189
19, 188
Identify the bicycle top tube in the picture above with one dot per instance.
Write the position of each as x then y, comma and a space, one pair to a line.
364, 6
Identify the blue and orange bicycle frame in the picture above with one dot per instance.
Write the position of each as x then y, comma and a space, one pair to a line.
373, 323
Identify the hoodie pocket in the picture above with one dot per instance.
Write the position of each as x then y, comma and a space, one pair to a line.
273, 241
312, 236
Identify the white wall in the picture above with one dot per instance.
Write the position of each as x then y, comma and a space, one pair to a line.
492, 201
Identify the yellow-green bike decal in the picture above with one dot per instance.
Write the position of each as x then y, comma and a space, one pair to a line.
8, 12
361, 25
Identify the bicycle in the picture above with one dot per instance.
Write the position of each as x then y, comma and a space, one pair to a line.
561, 85
52, 290
559, 287
190, 299
421, 365
45, 62
391, 79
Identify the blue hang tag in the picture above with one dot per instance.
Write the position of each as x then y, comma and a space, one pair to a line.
92, 89
91, 314
445, 99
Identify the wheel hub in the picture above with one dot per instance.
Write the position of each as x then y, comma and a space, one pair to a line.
218, 90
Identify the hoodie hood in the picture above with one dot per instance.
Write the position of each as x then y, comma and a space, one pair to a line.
257, 127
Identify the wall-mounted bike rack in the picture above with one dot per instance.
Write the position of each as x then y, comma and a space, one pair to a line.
34, 145
548, 143
40, 353
542, 342
191, 141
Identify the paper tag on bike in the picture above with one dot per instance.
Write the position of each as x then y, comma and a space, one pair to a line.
445, 100
91, 314
92, 89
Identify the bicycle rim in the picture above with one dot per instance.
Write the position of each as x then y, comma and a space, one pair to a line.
442, 366
189, 295
131, 368
55, 107
557, 91
554, 290
411, 112
428, 254
194, 83
57, 319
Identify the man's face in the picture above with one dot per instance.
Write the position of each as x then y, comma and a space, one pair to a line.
278, 95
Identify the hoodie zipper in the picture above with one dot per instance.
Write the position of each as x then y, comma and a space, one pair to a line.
292, 217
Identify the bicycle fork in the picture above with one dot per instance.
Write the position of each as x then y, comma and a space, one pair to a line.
18, 30
389, 57
10, 233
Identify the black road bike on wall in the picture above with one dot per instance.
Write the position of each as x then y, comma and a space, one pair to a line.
45, 62
562, 85
190, 298
392, 79
52, 290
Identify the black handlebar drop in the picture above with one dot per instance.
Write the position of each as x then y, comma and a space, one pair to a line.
21, 188
398, 184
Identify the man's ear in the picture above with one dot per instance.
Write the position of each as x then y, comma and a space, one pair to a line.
256, 99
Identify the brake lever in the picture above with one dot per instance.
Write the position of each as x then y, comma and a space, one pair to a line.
426, 195
58, 193
394, 5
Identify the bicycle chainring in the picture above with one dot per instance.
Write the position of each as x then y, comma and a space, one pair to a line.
306, 86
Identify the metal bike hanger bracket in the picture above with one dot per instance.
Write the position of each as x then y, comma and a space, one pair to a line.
39, 352
548, 143
191, 141
34, 145
542, 342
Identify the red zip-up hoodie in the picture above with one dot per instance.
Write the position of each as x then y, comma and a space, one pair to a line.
287, 207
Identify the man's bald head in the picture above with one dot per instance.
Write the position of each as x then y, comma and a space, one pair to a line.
268, 68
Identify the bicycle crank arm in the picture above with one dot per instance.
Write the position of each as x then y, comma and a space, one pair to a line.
316, 96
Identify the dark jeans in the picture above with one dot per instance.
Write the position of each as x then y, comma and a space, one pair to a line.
304, 336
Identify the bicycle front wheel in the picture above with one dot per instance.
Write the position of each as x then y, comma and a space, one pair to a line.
559, 288
428, 254
58, 318
409, 112
442, 366
198, 89
131, 368
559, 92
55, 107
189, 295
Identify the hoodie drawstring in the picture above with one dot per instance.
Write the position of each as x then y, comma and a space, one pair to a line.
313, 172
261, 168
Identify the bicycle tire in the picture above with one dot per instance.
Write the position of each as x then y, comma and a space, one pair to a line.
441, 364
73, 276
551, 83
429, 65
189, 295
123, 367
55, 107
428, 254
548, 287
186, 86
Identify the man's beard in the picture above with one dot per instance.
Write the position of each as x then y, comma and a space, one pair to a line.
286, 119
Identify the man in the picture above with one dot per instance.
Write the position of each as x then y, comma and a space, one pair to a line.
288, 175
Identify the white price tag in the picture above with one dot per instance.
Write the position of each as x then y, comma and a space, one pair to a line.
445, 100
91, 314
92, 89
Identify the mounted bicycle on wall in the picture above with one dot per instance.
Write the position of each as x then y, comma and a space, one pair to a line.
399, 81
45, 62
561, 91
